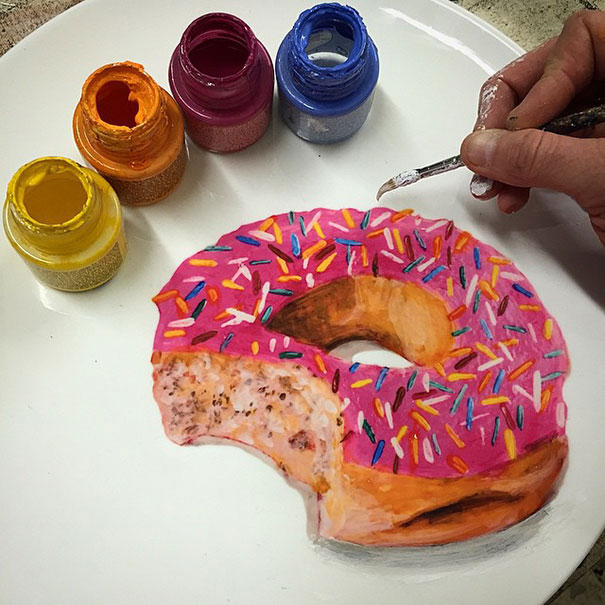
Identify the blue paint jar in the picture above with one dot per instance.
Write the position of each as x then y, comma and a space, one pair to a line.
326, 69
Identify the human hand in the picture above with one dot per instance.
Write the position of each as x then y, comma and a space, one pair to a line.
534, 89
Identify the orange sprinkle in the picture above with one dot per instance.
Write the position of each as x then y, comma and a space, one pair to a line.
460, 352
318, 229
495, 400
545, 398
488, 290
174, 333
414, 441
182, 305
230, 284
311, 250
456, 313
484, 381
453, 435
283, 265
456, 376
485, 350
498, 260
266, 223
450, 286
420, 419
399, 215
202, 262
437, 242
224, 313
511, 342
427, 408
364, 256
547, 331
521, 369
440, 369
319, 362
510, 444
361, 383
495, 272
378, 407
213, 293
398, 241
347, 217
375, 233
277, 232
461, 241
256, 307
401, 433
458, 464
530, 307
255, 347
283, 278
326, 263
158, 298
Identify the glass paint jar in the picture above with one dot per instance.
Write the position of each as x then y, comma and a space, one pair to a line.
131, 131
65, 221
222, 78
326, 69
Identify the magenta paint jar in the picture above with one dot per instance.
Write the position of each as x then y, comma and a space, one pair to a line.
222, 78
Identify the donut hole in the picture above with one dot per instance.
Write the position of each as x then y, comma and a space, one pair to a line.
369, 352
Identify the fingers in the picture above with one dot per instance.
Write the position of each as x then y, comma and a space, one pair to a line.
512, 199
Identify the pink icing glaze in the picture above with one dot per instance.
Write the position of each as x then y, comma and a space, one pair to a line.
460, 426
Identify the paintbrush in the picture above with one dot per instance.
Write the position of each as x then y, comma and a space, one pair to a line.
563, 125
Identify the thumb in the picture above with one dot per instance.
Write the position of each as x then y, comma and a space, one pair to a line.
533, 158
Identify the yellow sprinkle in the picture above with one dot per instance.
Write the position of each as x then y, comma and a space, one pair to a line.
364, 256
488, 290
421, 420
277, 232
454, 437
202, 262
158, 298
311, 250
450, 286
511, 342
455, 376
378, 407
460, 352
174, 333
266, 223
498, 260
319, 230
494, 279
375, 233
255, 347
230, 284
398, 241
399, 215
319, 362
347, 217
402, 431
256, 307
494, 400
461, 241
361, 383
326, 263
426, 407
440, 369
182, 305
283, 278
509, 442
283, 265
530, 307
548, 329
485, 350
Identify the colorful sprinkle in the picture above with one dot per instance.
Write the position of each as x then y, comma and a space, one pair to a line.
247, 240
368, 430
409, 267
419, 239
218, 249
365, 220
502, 306
521, 369
226, 342
281, 291
520, 416
301, 223
412, 379
477, 257
462, 275
311, 250
227, 283
361, 383
553, 354
476, 301
465, 360
354, 367
279, 253
486, 330
199, 308
255, 347
494, 400
507, 416
454, 436
434, 272
162, 296
420, 419
547, 330
336, 381
325, 263
510, 444
450, 286
498, 382
260, 262
174, 333
196, 290
381, 377
290, 355
522, 290
515, 329
458, 464
469, 413
551, 376
441, 387
460, 331
378, 452
409, 250
347, 242
295, 245
202, 262
399, 395
496, 429
267, 313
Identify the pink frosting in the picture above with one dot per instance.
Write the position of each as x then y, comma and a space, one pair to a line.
441, 421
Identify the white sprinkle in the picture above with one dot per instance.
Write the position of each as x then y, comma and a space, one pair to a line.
511, 276
505, 351
392, 257
312, 222
436, 226
397, 447
194, 278
286, 341
337, 226
237, 274
490, 312
426, 264
425, 381
272, 344
263, 297
265, 235
388, 414
482, 431
237, 261
345, 403
388, 237
351, 261
379, 219
471, 289
407, 177
521, 391
182, 323
532, 332
427, 450
246, 272
490, 364
360, 421
537, 384
475, 418
310, 280
306, 262
434, 400
561, 414
238, 317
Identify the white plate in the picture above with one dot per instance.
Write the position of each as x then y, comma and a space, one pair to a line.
96, 505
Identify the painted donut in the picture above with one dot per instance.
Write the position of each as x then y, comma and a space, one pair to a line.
468, 440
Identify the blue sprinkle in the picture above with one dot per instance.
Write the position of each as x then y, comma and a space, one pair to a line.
347, 242
476, 301
415, 262
281, 291
498, 382
199, 308
419, 239
523, 291
496, 429
225, 342
469, 411
354, 367
217, 248
520, 416
436, 444
434, 272
477, 257
460, 331
266, 315
348, 254
462, 275
260, 262
553, 354
486, 330
412, 379
551, 376
195, 290
366, 219
291, 217
458, 399
441, 387
381, 377
247, 240
303, 229
515, 329
295, 244
378, 452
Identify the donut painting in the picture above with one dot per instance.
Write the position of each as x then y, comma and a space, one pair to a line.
467, 440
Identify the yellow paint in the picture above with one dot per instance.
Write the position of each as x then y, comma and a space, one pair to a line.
421, 420
283, 265
440, 369
488, 290
398, 241
232, 285
494, 278
284, 278
266, 223
510, 444
460, 352
497, 260
450, 286
364, 256
458, 376
454, 436
202, 262
547, 331
401, 433
347, 217
318, 229
361, 383
530, 307
485, 350
277, 233
174, 333
326, 263
311, 250
495, 400
255, 347
427, 408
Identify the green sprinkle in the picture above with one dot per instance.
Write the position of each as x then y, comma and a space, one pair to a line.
290, 355
369, 432
199, 308
460, 331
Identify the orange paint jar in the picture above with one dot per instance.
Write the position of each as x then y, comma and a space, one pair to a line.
131, 131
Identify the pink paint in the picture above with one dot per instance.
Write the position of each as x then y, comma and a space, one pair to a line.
222, 78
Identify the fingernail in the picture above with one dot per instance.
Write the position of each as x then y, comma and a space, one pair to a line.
480, 185
481, 147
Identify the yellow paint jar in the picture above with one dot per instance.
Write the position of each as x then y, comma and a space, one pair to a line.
65, 221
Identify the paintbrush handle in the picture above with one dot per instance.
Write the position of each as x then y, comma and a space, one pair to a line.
576, 121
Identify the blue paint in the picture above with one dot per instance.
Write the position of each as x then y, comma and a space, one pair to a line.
519, 288
260, 262
247, 240
469, 413
195, 290
498, 382
366, 219
458, 399
347, 242
378, 452
496, 429
415, 262
477, 257
412, 379
419, 239
486, 330
381, 377
440, 387
225, 342
295, 244
303, 228
436, 444
432, 274
326, 69
265, 318
354, 367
